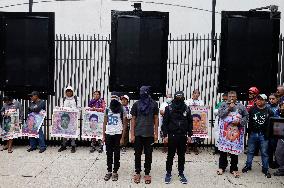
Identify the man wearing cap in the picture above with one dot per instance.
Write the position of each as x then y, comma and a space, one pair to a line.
258, 129
36, 105
70, 100
177, 130
144, 131
125, 104
252, 94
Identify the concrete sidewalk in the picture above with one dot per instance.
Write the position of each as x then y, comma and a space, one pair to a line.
82, 169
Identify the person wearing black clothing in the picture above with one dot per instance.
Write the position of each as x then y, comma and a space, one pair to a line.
36, 106
258, 130
177, 130
144, 131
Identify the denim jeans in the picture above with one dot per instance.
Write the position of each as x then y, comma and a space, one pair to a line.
254, 140
40, 139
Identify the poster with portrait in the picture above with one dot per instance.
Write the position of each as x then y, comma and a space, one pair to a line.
10, 126
92, 126
65, 122
33, 123
231, 135
200, 121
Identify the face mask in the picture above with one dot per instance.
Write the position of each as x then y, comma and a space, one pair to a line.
169, 100
144, 96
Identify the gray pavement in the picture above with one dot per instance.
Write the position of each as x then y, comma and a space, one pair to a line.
82, 169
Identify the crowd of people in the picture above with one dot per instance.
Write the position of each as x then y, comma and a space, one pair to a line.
144, 122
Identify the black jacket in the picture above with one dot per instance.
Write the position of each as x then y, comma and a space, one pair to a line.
265, 128
178, 123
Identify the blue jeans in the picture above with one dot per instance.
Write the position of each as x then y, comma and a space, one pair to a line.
254, 140
41, 143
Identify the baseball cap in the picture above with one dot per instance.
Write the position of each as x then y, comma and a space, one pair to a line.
179, 94
34, 93
125, 96
263, 96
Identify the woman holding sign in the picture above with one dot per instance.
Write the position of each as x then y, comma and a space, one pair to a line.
12, 113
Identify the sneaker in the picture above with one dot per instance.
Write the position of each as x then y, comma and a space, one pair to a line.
168, 178
62, 148
73, 149
42, 150
246, 169
31, 149
92, 150
182, 179
267, 174
278, 173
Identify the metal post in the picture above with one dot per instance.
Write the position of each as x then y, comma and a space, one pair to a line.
213, 41
30, 5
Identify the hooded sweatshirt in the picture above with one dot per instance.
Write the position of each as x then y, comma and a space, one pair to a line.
69, 101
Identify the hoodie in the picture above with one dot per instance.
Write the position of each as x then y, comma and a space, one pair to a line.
71, 102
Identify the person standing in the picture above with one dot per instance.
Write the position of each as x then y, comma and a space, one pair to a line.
10, 104
258, 130
177, 131
162, 109
114, 130
37, 105
272, 144
216, 123
97, 104
194, 101
280, 94
279, 153
127, 108
71, 101
144, 131
231, 107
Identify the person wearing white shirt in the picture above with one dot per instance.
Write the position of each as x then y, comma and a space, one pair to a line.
194, 101
71, 101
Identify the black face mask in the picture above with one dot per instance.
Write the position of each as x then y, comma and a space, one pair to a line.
178, 104
143, 96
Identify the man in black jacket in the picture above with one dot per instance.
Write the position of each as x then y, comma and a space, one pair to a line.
177, 130
258, 130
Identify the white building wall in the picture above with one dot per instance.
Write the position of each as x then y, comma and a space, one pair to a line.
93, 16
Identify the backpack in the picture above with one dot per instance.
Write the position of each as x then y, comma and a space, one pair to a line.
75, 97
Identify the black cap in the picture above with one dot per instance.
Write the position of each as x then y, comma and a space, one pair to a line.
179, 94
34, 93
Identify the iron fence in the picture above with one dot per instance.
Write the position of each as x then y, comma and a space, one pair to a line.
82, 61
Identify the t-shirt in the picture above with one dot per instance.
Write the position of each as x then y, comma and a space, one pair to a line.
144, 123
114, 122
259, 119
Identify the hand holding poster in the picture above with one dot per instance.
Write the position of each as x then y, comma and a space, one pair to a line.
231, 135
65, 122
10, 125
200, 121
33, 124
92, 124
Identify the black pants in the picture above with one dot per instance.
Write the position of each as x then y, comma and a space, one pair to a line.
113, 152
223, 162
140, 144
176, 143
